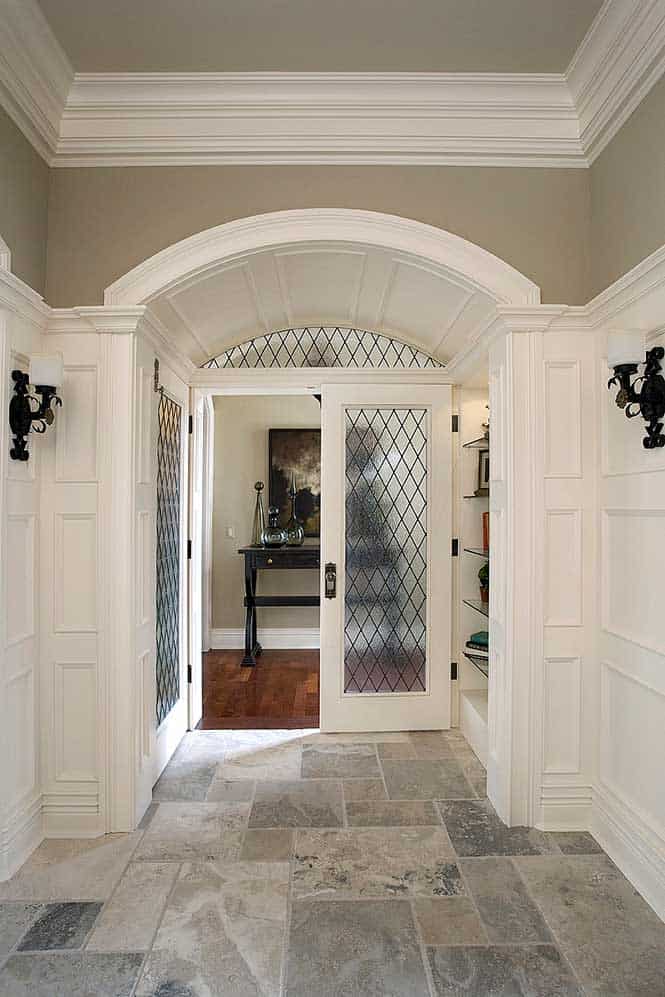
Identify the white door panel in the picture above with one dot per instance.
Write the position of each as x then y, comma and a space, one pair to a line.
386, 514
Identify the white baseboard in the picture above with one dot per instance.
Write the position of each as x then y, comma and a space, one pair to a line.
632, 846
72, 816
271, 638
20, 836
565, 808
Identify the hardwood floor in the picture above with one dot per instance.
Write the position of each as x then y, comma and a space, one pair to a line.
282, 691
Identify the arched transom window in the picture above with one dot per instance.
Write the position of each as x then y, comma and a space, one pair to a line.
323, 346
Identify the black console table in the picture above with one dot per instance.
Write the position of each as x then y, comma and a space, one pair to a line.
272, 559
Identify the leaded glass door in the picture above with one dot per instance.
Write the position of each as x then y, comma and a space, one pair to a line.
385, 551
168, 522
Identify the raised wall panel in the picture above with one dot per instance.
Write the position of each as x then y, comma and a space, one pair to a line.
563, 432
145, 701
497, 404
562, 690
75, 575
563, 568
76, 426
20, 578
75, 721
21, 775
144, 410
633, 555
144, 553
631, 756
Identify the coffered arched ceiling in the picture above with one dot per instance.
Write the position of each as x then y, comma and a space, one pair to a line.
323, 267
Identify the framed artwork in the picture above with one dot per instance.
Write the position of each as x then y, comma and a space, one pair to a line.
483, 473
297, 453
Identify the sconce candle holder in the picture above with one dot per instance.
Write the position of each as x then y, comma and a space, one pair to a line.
649, 401
23, 417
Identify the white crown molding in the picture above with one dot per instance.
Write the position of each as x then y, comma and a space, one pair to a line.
621, 57
448, 119
272, 118
35, 74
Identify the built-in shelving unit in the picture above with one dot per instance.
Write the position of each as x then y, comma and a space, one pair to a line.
473, 669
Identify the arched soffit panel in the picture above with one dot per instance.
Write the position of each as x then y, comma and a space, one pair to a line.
322, 346
193, 256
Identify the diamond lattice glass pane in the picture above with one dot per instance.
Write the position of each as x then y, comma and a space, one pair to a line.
168, 557
326, 346
385, 599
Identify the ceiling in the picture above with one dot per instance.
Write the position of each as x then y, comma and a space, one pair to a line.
323, 284
515, 36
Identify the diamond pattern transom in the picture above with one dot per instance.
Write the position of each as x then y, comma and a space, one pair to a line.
168, 559
385, 601
325, 346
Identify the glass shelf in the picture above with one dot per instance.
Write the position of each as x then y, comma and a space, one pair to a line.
481, 663
480, 607
480, 551
482, 443
480, 495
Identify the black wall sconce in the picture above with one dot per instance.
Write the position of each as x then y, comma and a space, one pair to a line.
624, 355
46, 374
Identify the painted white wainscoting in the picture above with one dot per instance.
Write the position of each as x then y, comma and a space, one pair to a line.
629, 811
568, 549
22, 322
71, 627
270, 638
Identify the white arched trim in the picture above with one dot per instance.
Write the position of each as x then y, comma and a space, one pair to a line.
460, 259
5, 255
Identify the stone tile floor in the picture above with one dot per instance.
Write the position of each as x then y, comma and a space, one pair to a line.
298, 864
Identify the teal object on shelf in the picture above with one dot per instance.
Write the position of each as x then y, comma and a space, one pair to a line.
481, 637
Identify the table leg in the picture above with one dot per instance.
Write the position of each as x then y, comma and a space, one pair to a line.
256, 647
249, 659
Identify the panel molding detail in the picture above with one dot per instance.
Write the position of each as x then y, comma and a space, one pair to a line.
563, 568
75, 705
76, 426
75, 574
562, 695
21, 550
563, 427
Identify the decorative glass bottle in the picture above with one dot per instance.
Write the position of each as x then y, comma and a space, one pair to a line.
274, 535
259, 524
295, 533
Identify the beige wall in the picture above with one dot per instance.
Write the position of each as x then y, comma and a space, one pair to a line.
241, 458
102, 222
628, 193
24, 190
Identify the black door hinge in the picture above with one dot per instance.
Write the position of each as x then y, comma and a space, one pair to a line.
455, 421
191, 424
454, 547
189, 550
189, 674
453, 670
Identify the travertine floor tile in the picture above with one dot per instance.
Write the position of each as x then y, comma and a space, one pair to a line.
130, 918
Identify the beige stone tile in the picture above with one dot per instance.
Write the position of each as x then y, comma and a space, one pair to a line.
129, 920
448, 921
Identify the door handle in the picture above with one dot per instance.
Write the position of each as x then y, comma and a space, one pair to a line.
330, 580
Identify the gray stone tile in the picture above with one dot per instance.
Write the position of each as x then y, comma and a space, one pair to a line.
507, 912
61, 926
429, 779
280, 762
146, 820
72, 869
431, 744
576, 842
315, 737
392, 813
612, 938
475, 829
449, 921
307, 803
184, 831
374, 862
350, 949
222, 932
339, 761
129, 920
226, 791
70, 974
182, 783
267, 845
396, 749
364, 790
15, 919
504, 971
